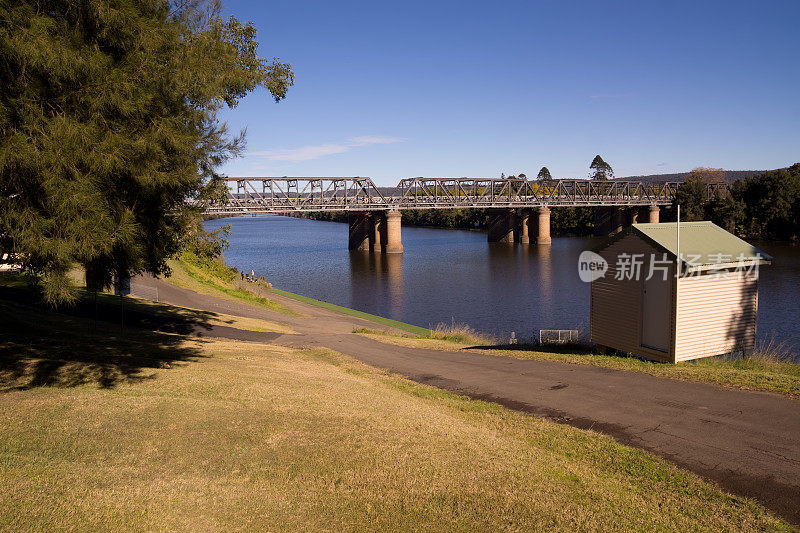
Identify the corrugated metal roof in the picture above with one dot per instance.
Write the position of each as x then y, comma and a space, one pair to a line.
702, 243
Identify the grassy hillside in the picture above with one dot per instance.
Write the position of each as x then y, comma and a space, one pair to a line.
149, 431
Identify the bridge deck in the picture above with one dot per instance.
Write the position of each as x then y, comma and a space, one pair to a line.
307, 194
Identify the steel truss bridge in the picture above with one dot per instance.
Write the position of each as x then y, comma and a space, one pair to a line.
282, 195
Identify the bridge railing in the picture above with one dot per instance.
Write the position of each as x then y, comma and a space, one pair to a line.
430, 192
299, 194
303, 194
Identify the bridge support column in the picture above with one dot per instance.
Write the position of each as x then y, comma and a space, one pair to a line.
654, 214
602, 221
377, 226
360, 225
611, 220
524, 228
393, 243
617, 220
543, 231
502, 225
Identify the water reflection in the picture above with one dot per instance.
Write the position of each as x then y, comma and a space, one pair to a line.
377, 276
545, 281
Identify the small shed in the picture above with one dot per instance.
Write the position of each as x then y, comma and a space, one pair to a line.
640, 306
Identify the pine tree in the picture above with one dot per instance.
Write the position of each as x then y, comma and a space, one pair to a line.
109, 137
544, 174
601, 169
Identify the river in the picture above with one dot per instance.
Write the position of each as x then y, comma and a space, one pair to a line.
456, 276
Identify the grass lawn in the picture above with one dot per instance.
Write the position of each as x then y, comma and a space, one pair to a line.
149, 431
755, 372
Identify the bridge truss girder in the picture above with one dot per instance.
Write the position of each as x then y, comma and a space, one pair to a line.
282, 195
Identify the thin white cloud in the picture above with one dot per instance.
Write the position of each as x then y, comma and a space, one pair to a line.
373, 139
307, 153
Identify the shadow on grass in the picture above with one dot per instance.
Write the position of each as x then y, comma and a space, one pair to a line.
574, 349
40, 347
131, 313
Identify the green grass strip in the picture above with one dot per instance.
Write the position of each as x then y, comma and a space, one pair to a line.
352, 312
237, 293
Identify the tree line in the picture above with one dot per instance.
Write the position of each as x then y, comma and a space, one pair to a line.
766, 206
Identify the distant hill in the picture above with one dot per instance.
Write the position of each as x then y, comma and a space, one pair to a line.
730, 176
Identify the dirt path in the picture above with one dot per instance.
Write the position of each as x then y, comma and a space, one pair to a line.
748, 442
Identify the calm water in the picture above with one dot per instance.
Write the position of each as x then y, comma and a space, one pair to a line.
451, 275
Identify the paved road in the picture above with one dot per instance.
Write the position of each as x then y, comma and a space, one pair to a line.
748, 442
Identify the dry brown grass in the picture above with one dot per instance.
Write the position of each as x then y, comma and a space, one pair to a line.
459, 333
150, 431
259, 437
216, 318
410, 341
442, 337
773, 351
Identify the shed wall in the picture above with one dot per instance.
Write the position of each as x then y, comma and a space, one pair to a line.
716, 315
615, 315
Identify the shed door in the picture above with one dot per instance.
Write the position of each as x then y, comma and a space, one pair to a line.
656, 305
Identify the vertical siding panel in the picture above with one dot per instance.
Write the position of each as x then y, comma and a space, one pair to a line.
717, 315
616, 305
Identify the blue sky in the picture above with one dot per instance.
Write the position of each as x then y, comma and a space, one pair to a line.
405, 88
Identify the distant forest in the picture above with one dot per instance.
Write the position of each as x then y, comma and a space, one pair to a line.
728, 175
757, 205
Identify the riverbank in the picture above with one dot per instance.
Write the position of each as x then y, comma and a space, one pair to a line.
760, 371
92, 417
216, 278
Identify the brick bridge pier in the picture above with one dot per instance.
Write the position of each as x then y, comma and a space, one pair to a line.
375, 231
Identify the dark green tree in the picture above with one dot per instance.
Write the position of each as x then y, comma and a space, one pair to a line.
109, 136
699, 202
769, 204
692, 196
544, 174
600, 169
727, 212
